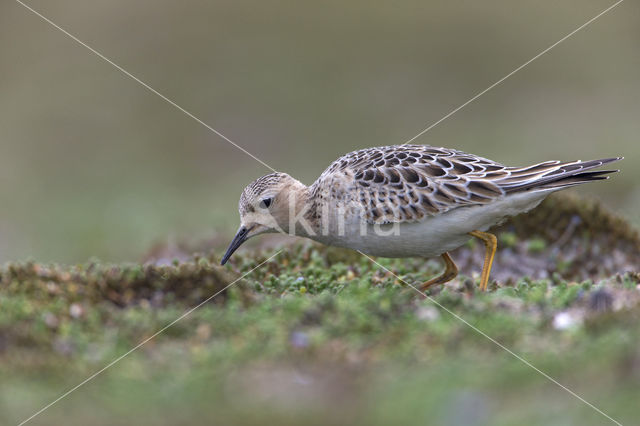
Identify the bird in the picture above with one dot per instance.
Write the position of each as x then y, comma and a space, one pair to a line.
406, 201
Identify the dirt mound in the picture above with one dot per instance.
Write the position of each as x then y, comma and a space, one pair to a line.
191, 282
573, 237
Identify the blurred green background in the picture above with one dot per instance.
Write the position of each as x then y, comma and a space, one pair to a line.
93, 164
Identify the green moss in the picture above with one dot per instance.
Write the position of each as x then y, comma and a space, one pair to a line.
334, 319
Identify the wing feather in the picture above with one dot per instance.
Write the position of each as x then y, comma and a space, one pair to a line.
406, 183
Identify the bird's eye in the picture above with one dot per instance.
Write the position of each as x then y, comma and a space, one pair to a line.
266, 202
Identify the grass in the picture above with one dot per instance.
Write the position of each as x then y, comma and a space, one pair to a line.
323, 336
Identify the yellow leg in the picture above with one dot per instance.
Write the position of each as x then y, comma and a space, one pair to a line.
491, 244
450, 272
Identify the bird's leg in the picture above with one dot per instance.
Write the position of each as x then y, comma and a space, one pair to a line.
450, 272
491, 244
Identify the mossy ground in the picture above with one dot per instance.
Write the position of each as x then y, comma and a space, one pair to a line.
324, 336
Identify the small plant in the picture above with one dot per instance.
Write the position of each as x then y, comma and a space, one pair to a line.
536, 245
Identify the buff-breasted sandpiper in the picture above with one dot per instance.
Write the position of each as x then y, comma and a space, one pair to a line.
405, 201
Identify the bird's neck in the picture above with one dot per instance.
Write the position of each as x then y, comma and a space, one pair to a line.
300, 212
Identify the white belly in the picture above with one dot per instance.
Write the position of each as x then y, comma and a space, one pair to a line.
433, 235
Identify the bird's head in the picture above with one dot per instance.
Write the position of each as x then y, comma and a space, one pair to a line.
265, 206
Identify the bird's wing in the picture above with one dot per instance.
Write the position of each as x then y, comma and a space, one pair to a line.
406, 183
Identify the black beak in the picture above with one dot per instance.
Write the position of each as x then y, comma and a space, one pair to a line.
240, 238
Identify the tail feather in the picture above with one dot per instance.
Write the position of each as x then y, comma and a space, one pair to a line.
561, 176
578, 179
